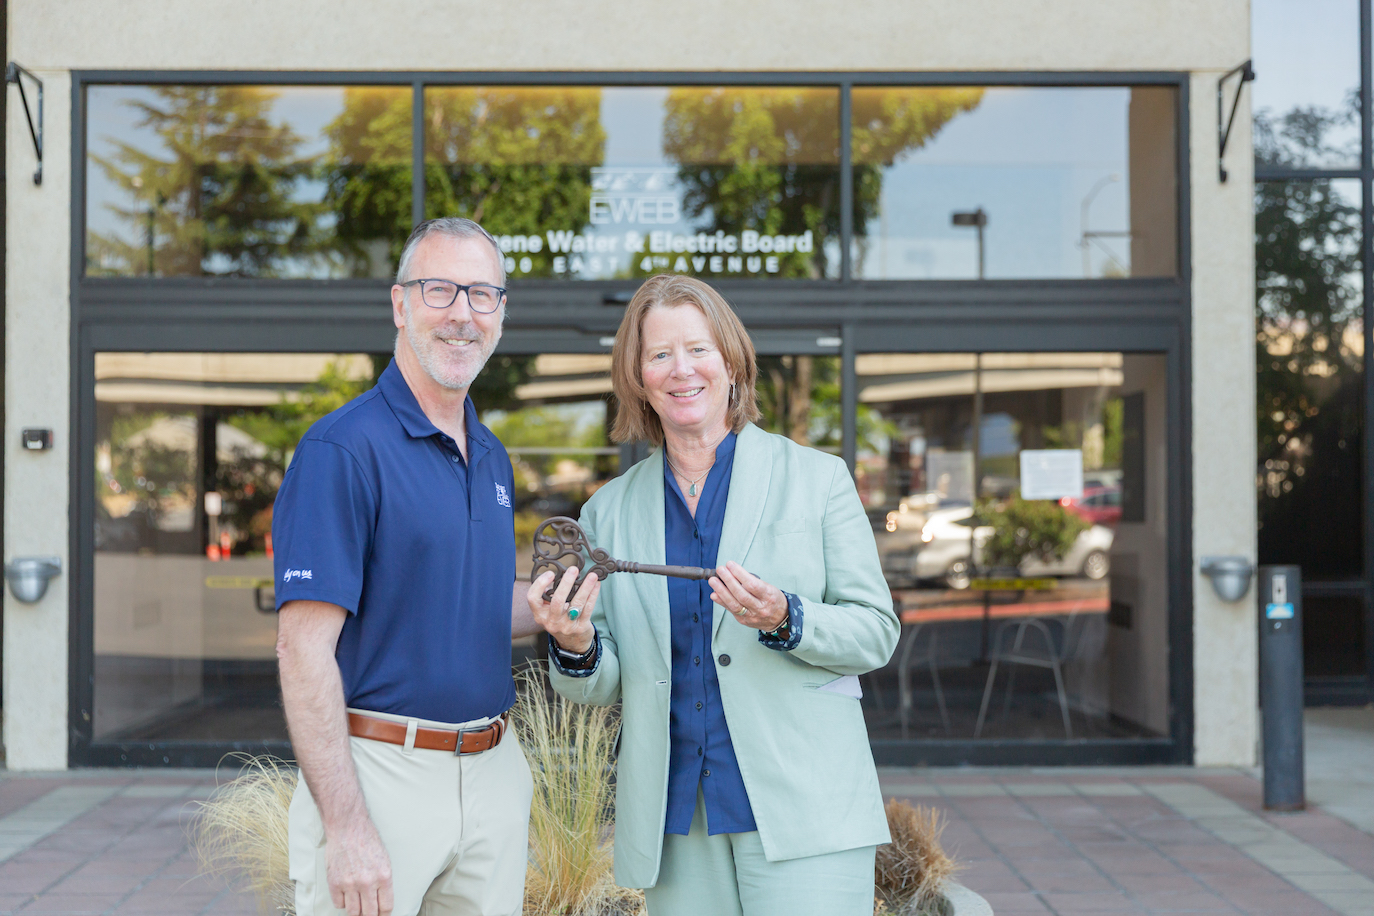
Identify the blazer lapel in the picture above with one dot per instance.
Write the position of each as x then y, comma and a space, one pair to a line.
643, 506
749, 481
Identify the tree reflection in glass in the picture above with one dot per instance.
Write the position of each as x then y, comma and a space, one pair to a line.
518, 160
246, 181
887, 125
1309, 349
764, 160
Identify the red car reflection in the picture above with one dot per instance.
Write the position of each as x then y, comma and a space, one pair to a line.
1099, 505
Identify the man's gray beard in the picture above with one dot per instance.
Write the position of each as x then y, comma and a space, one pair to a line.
426, 350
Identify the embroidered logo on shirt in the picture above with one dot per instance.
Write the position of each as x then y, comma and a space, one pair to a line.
298, 574
502, 497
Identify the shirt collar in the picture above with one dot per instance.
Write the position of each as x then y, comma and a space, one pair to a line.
407, 409
726, 447
724, 450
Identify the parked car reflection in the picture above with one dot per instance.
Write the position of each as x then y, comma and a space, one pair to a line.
1099, 505
898, 531
942, 554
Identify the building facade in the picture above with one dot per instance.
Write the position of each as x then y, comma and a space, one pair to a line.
1313, 224
985, 250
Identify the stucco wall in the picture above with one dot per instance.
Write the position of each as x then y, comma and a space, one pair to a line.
53, 36
37, 385
598, 35
1224, 514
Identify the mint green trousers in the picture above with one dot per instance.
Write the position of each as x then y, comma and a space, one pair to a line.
727, 875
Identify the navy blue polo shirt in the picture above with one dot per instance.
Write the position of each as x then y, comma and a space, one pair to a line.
700, 751
379, 514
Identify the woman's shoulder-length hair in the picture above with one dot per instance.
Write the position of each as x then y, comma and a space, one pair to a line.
635, 419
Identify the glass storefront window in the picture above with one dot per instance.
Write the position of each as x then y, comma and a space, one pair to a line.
968, 182
1310, 409
625, 182
189, 451
799, 397
1034, 604
247, 181
555, 422
1306, 91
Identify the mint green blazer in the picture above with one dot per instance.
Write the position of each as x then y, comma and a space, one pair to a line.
794, 518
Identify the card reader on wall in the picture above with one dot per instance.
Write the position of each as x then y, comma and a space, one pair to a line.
37, 440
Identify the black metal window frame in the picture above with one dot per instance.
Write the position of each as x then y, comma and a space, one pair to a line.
187, 314
1356, 690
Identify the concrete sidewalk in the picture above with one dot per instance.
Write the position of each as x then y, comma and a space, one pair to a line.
1069, 841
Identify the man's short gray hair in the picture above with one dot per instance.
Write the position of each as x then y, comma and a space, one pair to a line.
454, 227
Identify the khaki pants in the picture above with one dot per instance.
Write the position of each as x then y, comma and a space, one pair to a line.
728, 875
456, 827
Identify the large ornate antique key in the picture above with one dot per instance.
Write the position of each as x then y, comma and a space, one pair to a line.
559, 542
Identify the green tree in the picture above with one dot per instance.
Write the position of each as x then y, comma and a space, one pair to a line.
281, 426
1113, 431
890, 124
494, 388
1026, 528
367, 178
799, 397
768, 159
1308, 353
219, 199
531, 150
148, 460
760, 159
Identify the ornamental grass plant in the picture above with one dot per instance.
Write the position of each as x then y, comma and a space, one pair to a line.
240, 833
911, 871
571, 751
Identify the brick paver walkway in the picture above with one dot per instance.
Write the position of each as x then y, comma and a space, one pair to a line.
1062, 841
1142, 842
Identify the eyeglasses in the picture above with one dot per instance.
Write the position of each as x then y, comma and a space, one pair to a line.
440, 294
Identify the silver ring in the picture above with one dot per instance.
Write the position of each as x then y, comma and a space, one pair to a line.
573, 612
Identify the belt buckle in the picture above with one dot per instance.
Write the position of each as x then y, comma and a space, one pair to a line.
458, 747
497, 726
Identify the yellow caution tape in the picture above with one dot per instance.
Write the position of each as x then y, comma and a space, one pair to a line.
1013, 585
237, 582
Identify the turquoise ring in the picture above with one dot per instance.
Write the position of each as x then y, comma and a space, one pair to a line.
573, 612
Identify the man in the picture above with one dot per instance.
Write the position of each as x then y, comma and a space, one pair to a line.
396, 587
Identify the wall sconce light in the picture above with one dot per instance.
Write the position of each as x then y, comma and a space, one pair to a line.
1230, 576
28, 576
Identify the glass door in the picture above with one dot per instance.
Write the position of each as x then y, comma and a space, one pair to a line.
189, 451
1017, 500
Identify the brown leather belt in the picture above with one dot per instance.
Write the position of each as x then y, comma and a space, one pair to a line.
462, 741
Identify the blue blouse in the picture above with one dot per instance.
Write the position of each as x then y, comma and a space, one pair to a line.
700, 752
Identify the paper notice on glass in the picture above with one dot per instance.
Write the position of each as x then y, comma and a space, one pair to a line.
1051, 473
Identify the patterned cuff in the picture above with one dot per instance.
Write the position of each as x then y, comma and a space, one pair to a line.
571, 665
792, 627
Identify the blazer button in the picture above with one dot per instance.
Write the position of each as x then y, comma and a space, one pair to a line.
725, 660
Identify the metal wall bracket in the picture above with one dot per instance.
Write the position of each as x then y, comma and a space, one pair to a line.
13, 72
1224, 123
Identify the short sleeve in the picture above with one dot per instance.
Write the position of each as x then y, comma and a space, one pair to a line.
322, 526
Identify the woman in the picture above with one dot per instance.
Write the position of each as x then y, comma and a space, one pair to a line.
745, 784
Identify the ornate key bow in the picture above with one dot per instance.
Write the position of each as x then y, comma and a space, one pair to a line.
559, 543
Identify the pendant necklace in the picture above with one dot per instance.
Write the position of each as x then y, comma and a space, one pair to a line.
692, 489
